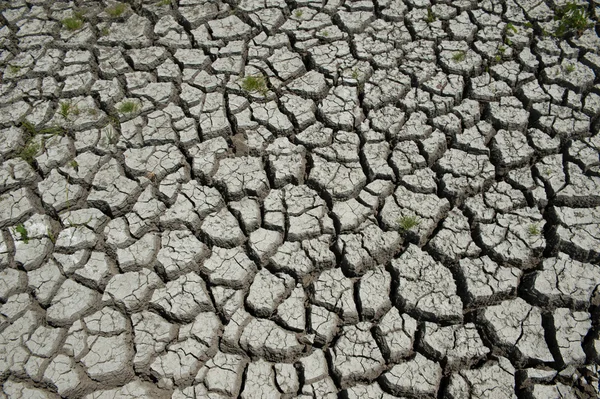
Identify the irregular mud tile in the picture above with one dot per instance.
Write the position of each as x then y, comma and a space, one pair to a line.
72, 300
464, 174
263, 243
180, 252
15, 173
112, 190
134, 389
406, 206
151, 334
247, 210
195, 344
509, 114
310, 85
419, 377
13, 281
578, 232
457, 346
374, 293
269, 115
356, 356
242, 176
16, 206
44, 281
266, 339
366, 248
268, 291
14, 389
291, 313
395, 334
230, 267
222, 374
367, 391
454, 240
154, 161
286, 162
336, 292
314, 367
324, 388
183, 299
106, 321
68, 377
109, 359
495, 379
510, 149
571, 328
419, 291
350, 214
487, 282
222, 229
515, 237
286, 378
131, 290
324, 324
562, 121
340, 108
516, 327
564, 281
96, 272
260, 381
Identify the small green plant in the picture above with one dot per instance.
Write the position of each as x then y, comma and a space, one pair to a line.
528, 25
67, 109
408, 222
355, 74
51, 236
501, 50
14, 69
29, 152
325, 33
111, 136
74, 164
497, 58
570, 68
430, 16
164, 3
73, 23
129, 107
533, 230
459, 56
105, 31
116, 10
255, 84
573, 18
511, 29
298, 13
22, 231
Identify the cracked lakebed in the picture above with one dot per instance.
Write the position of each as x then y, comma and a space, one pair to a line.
308, 198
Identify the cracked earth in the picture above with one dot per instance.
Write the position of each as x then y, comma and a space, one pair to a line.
298, 198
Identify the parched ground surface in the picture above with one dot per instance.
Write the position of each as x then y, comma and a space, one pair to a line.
402, 201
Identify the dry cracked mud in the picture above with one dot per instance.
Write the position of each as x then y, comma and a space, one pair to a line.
299, 198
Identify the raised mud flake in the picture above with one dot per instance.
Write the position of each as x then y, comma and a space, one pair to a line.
183, 299
385, 87
66, 376
367, 247
54, 188
71, 301
509, 114
180, 252
12, 281
242, 176
570, 330
112, 189
324, 324
14, 389
132, 390
266, 339
229, 267
458, 58
109, 358
314, 367
510, 149
141, 253
260, 381
335, 292
222, 229
515, 237
516, 327
374, 293
417, 377
267, 291
427, 209
16, 206
454, 240
269, 115
457, 346
562, 121
419, 291
356, 356
196, 343
131, 290
486, 281
222, 374
310, 85
494, 380
96, 272
287, 162
340, 108
291, 313
464, 174
578, 232
151, 335
564, 281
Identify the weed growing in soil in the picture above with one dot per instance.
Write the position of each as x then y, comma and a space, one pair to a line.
73, 23
459, 56
408, 222
573, 18
129, 107
255, 84
533, 230
22, 231
116, 10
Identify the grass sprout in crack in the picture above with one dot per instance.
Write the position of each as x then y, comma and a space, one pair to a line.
255, 84
73, 23
533, 230
116, 10
459, 56
408, 222
129, 107
573, 19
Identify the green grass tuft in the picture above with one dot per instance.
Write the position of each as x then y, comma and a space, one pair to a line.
22, 231
533, 230
29, 152
298, 13
573, 19
72, 23
408, 222
430, 16
459, 56
570, 68
116, 10
129, 107
255, 84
